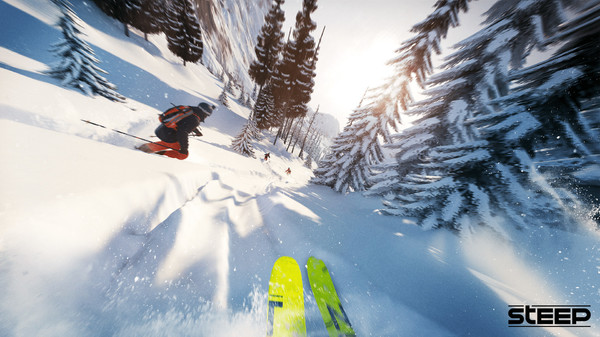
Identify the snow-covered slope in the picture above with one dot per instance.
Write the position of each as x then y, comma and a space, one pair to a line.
98, 239
231, 28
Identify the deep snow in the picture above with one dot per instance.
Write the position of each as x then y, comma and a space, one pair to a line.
98, 239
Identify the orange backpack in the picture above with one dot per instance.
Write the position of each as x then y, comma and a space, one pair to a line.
171, 117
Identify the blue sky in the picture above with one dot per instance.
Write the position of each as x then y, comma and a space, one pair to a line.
360, 37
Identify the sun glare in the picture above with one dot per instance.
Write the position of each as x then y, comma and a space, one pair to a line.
356, 69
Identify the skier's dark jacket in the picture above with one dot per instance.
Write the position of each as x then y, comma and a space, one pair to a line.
184, 128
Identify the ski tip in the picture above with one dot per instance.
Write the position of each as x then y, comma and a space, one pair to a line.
285, 259
313, 260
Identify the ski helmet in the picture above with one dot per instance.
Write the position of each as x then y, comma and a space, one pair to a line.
206, 108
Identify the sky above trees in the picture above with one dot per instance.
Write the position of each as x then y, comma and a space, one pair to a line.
360, 38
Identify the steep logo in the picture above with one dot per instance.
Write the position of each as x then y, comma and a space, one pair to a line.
565, 316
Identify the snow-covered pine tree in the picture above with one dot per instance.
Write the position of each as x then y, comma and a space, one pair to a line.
242, 143
223, 97
413, 60
77, 66
268, 47
123, 10
303, 47
106, 6
308, 162
563, 94
264, 109
447, 174
248, 103
242, 98
347, 167
293, 79
183, 32
255, 92
149, 17
230, 87
264, 105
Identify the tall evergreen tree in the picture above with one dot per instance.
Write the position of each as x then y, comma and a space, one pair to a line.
269, 44
560, 91
123, 10
263, 108
293, 81
268, 47
229, 87
150, 17
183, 32
563, 94
413, 61
77, 66
242, 143
347, 167
448, 172
223, 98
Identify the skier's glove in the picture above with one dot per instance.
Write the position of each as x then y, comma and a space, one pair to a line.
197, 133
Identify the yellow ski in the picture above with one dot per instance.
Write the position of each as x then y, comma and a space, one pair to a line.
286, 300
334, 316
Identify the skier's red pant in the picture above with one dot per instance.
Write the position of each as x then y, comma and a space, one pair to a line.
167, 149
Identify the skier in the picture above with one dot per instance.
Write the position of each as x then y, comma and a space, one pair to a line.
288, 171
176, 124
267, 156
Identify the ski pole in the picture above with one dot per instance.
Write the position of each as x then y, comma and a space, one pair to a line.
127, 134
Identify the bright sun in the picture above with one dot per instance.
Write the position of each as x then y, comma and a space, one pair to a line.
354, 69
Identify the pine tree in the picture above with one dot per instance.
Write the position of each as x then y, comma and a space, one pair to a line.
242, 144
347, 167
150, 17
78, 65
183, 32
268, 48
293, 80
264, 105
123, 10
248, 103
242, 97
561, 93
450, 172
269, 44
255, 92
375, 120
223, 98
308, 162
230, 87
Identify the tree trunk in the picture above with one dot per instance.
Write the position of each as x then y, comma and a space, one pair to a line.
288, 130
280, 131
312, 120
296, 135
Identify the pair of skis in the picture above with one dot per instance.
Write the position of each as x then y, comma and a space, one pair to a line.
285, 316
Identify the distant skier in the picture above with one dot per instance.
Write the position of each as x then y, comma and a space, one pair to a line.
288, 171
176, 124
267, 156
